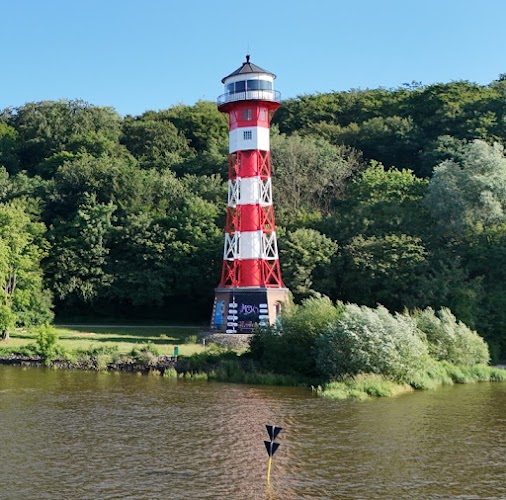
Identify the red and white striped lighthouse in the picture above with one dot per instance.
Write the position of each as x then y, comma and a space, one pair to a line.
251, 289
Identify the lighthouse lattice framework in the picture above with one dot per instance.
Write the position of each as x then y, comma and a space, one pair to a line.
251, 290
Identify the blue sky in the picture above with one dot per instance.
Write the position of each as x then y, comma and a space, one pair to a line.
138, 55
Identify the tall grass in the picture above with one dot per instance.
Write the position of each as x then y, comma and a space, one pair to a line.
438, 374
363, 386
232, 371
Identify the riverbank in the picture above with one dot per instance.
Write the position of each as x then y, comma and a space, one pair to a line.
150, 350
227, 366
159, 365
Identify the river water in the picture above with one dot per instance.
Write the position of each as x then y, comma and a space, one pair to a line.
80, 435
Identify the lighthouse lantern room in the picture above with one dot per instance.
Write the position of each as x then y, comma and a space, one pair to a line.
251, 290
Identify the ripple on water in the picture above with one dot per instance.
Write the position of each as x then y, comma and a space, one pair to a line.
87, 435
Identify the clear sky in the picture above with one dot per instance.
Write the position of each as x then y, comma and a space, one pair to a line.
136, 55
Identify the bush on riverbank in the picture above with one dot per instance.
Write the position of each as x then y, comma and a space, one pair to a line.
366, 340
449, 339
290, 350
388, 352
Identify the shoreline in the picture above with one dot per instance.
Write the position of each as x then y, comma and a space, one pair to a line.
359, 387
161, 365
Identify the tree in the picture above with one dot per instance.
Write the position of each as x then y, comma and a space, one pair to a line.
450, 109
470, 191
445, 147
109, 179
201, 123
9, 145
78, 263
309, 174
379, 202
154, 143
305, 254
292, 351
48, 127
450, 339
22, 247
385, 269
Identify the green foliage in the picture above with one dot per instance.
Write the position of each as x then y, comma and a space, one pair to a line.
147, 354
362, 387
386, 269
381, 201
366, 340
206, 361
46, 128
201, 123
78, 260
134, 207
46, 342
450, 339
309, 173
366, 385
9, 145
22, 247
7, 318
306, 255
292, 350
469, 192
170, 373
154, 143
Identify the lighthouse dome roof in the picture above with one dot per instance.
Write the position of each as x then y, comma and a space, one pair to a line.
248, 68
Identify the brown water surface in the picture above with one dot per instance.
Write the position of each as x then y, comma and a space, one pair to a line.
79, 435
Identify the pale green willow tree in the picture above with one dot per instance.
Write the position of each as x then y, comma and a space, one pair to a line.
469, 192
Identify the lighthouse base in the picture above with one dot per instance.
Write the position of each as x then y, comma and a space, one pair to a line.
238, 310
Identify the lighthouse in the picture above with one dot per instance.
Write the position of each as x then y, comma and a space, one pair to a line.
251, 290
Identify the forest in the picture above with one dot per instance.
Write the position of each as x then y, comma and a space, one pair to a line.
382, 196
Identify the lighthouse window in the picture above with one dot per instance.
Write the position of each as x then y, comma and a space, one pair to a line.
246, 114
247, 135
233, 88
259, 85
262, 114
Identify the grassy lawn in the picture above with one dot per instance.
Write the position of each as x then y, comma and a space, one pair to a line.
124, 337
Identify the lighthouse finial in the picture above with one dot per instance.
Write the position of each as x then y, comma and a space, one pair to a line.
247, 58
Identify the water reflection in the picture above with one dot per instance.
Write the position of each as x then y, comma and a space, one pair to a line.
88, 435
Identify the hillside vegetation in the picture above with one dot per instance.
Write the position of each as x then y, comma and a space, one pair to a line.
383, 196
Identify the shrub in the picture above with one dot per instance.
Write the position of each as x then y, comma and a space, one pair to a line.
46, 342
147, 354
366, 340
450, 339
292, 349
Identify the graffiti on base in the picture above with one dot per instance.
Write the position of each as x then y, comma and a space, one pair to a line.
249, 310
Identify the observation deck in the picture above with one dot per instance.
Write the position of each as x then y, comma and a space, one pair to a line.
250, 95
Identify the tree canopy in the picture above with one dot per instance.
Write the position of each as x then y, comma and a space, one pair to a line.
383, 196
